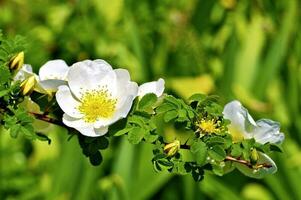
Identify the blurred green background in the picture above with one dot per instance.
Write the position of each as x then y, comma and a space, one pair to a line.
245, 50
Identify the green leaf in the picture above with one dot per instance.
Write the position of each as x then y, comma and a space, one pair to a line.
215, 140
123, 131
199, 150
276, 147
165, 163
182, 115
196, 98
28, 131
135, 135
218, 170
179, 168
165, 107
43, 137
236, 150
102, 142
217, 153
5, 74
137, 120
147, 101
149, 138
3, 93
170, 115
96, 158
14, 131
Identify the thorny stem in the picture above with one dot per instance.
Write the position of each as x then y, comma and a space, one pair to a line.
48, 119
45, 118
237, 160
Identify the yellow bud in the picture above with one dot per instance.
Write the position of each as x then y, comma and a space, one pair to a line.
17, 61
254, 156
28, 85
172, 148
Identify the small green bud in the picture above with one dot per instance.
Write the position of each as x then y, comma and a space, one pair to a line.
27, 86
172, 148
17, 61
254, 156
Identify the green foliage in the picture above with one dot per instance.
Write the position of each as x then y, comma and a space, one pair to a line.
91, 147
18, 121
249, 49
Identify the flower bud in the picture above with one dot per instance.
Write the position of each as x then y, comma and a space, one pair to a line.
28, 85
17, 61
254, 156
172, 148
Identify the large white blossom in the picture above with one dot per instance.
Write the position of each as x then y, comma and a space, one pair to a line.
243, 126
96, 96
156, 87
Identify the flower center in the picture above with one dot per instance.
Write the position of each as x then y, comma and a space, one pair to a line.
97, 104
236, 134
208, 126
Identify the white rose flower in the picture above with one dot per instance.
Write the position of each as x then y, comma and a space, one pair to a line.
96, 96
156, 87
263, 131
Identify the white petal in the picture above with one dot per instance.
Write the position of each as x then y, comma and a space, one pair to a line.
74, 122
268, 131
101, 131
156, 87
89, 75
24, 73
54, 70
240, 118
84, 128
67, 102
260, 173
52, 85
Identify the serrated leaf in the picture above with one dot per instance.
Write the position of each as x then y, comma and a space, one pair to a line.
173, 101
5, 74
28, 132
165, 107
135, 135
170, 115
137, 120
179, 168
215, 140
196, 97
236, 150
199, 150
123, 131
217, 153
218, 170
149, 138
14, 130
147, 101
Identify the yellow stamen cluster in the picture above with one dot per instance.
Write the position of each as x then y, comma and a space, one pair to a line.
208, 126
97, 104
